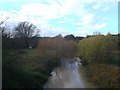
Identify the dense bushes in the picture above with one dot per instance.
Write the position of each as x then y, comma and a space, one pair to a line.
103, 75
100, 57
57, 47
98, 48
26, 69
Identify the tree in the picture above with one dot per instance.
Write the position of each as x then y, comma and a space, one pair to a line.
4, 20
5, 33
3, 27
98, 48
70, 37
57, 47
25, 31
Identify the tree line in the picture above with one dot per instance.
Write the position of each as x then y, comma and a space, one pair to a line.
25, 35
100, 48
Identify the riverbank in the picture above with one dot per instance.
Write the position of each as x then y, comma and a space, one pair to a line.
86, 78
30, 68
102, 75
26, 69
101, 60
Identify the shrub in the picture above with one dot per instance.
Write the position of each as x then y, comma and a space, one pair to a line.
57, 47
97, 48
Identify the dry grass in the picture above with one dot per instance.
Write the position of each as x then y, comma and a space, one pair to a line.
103, 75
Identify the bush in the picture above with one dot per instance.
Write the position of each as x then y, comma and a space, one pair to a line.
103, 75
57, 47
97, 48
26, 69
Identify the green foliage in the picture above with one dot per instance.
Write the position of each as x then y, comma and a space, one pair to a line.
26, 69
115, 61
18, 78
97, 48
100, 54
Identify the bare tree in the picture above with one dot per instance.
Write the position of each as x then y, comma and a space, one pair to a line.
25, 30
3, 27
3, 21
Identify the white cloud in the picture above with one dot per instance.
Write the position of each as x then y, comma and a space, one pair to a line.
101, 6
61, 21
46, 11
88, 30
87, 19
40, 14
21, 0
99, 26
72, 7
59, 0
83, 31
56, 9
96, 6
99, 0
88, 25
45, 28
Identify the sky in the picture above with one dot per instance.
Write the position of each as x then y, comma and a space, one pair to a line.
53, 17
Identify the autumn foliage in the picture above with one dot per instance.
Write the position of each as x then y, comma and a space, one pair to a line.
57, 47
103, 75
101, 58
98, 48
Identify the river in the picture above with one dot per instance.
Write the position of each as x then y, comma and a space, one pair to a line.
68, 75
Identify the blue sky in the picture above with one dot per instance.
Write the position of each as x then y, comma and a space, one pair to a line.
64, 17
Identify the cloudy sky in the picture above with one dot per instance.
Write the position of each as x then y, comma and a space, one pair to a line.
52, 17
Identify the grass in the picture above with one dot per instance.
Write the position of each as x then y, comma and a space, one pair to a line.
86, 80
26, 69
103, 75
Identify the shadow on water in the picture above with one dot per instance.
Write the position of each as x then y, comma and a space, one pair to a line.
67, 76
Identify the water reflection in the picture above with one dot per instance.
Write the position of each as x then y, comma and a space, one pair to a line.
66, 76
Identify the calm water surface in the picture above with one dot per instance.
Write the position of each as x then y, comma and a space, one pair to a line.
67, 76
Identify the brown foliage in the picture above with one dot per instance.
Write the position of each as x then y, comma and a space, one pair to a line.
98, 48
103, 75
57, 47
